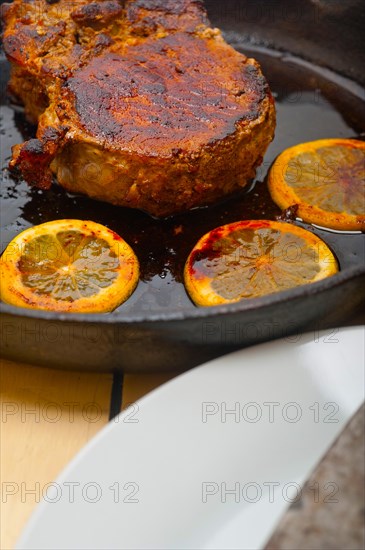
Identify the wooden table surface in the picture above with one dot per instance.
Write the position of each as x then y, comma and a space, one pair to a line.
46, 417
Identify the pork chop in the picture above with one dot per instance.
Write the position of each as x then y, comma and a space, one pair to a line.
141, 104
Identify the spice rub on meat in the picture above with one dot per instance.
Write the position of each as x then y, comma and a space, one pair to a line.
139, 104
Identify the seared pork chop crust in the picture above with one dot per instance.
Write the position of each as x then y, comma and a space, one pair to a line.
153, 97
139, 104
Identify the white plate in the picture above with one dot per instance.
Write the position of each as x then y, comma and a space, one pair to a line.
180, 470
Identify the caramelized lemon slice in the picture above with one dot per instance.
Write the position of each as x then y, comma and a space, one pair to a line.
248, 259
68, 265
325, 179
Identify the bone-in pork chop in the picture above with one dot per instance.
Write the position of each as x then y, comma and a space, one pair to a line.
139, 104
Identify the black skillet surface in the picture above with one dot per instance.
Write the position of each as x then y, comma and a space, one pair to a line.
159, 328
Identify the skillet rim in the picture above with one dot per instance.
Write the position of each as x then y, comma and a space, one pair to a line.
187, 314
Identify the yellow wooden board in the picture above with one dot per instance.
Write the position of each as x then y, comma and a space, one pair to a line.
46, 417
136, 386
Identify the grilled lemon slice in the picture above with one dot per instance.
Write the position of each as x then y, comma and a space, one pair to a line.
68, 265
248, 259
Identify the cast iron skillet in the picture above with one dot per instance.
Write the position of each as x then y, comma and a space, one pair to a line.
318, 88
